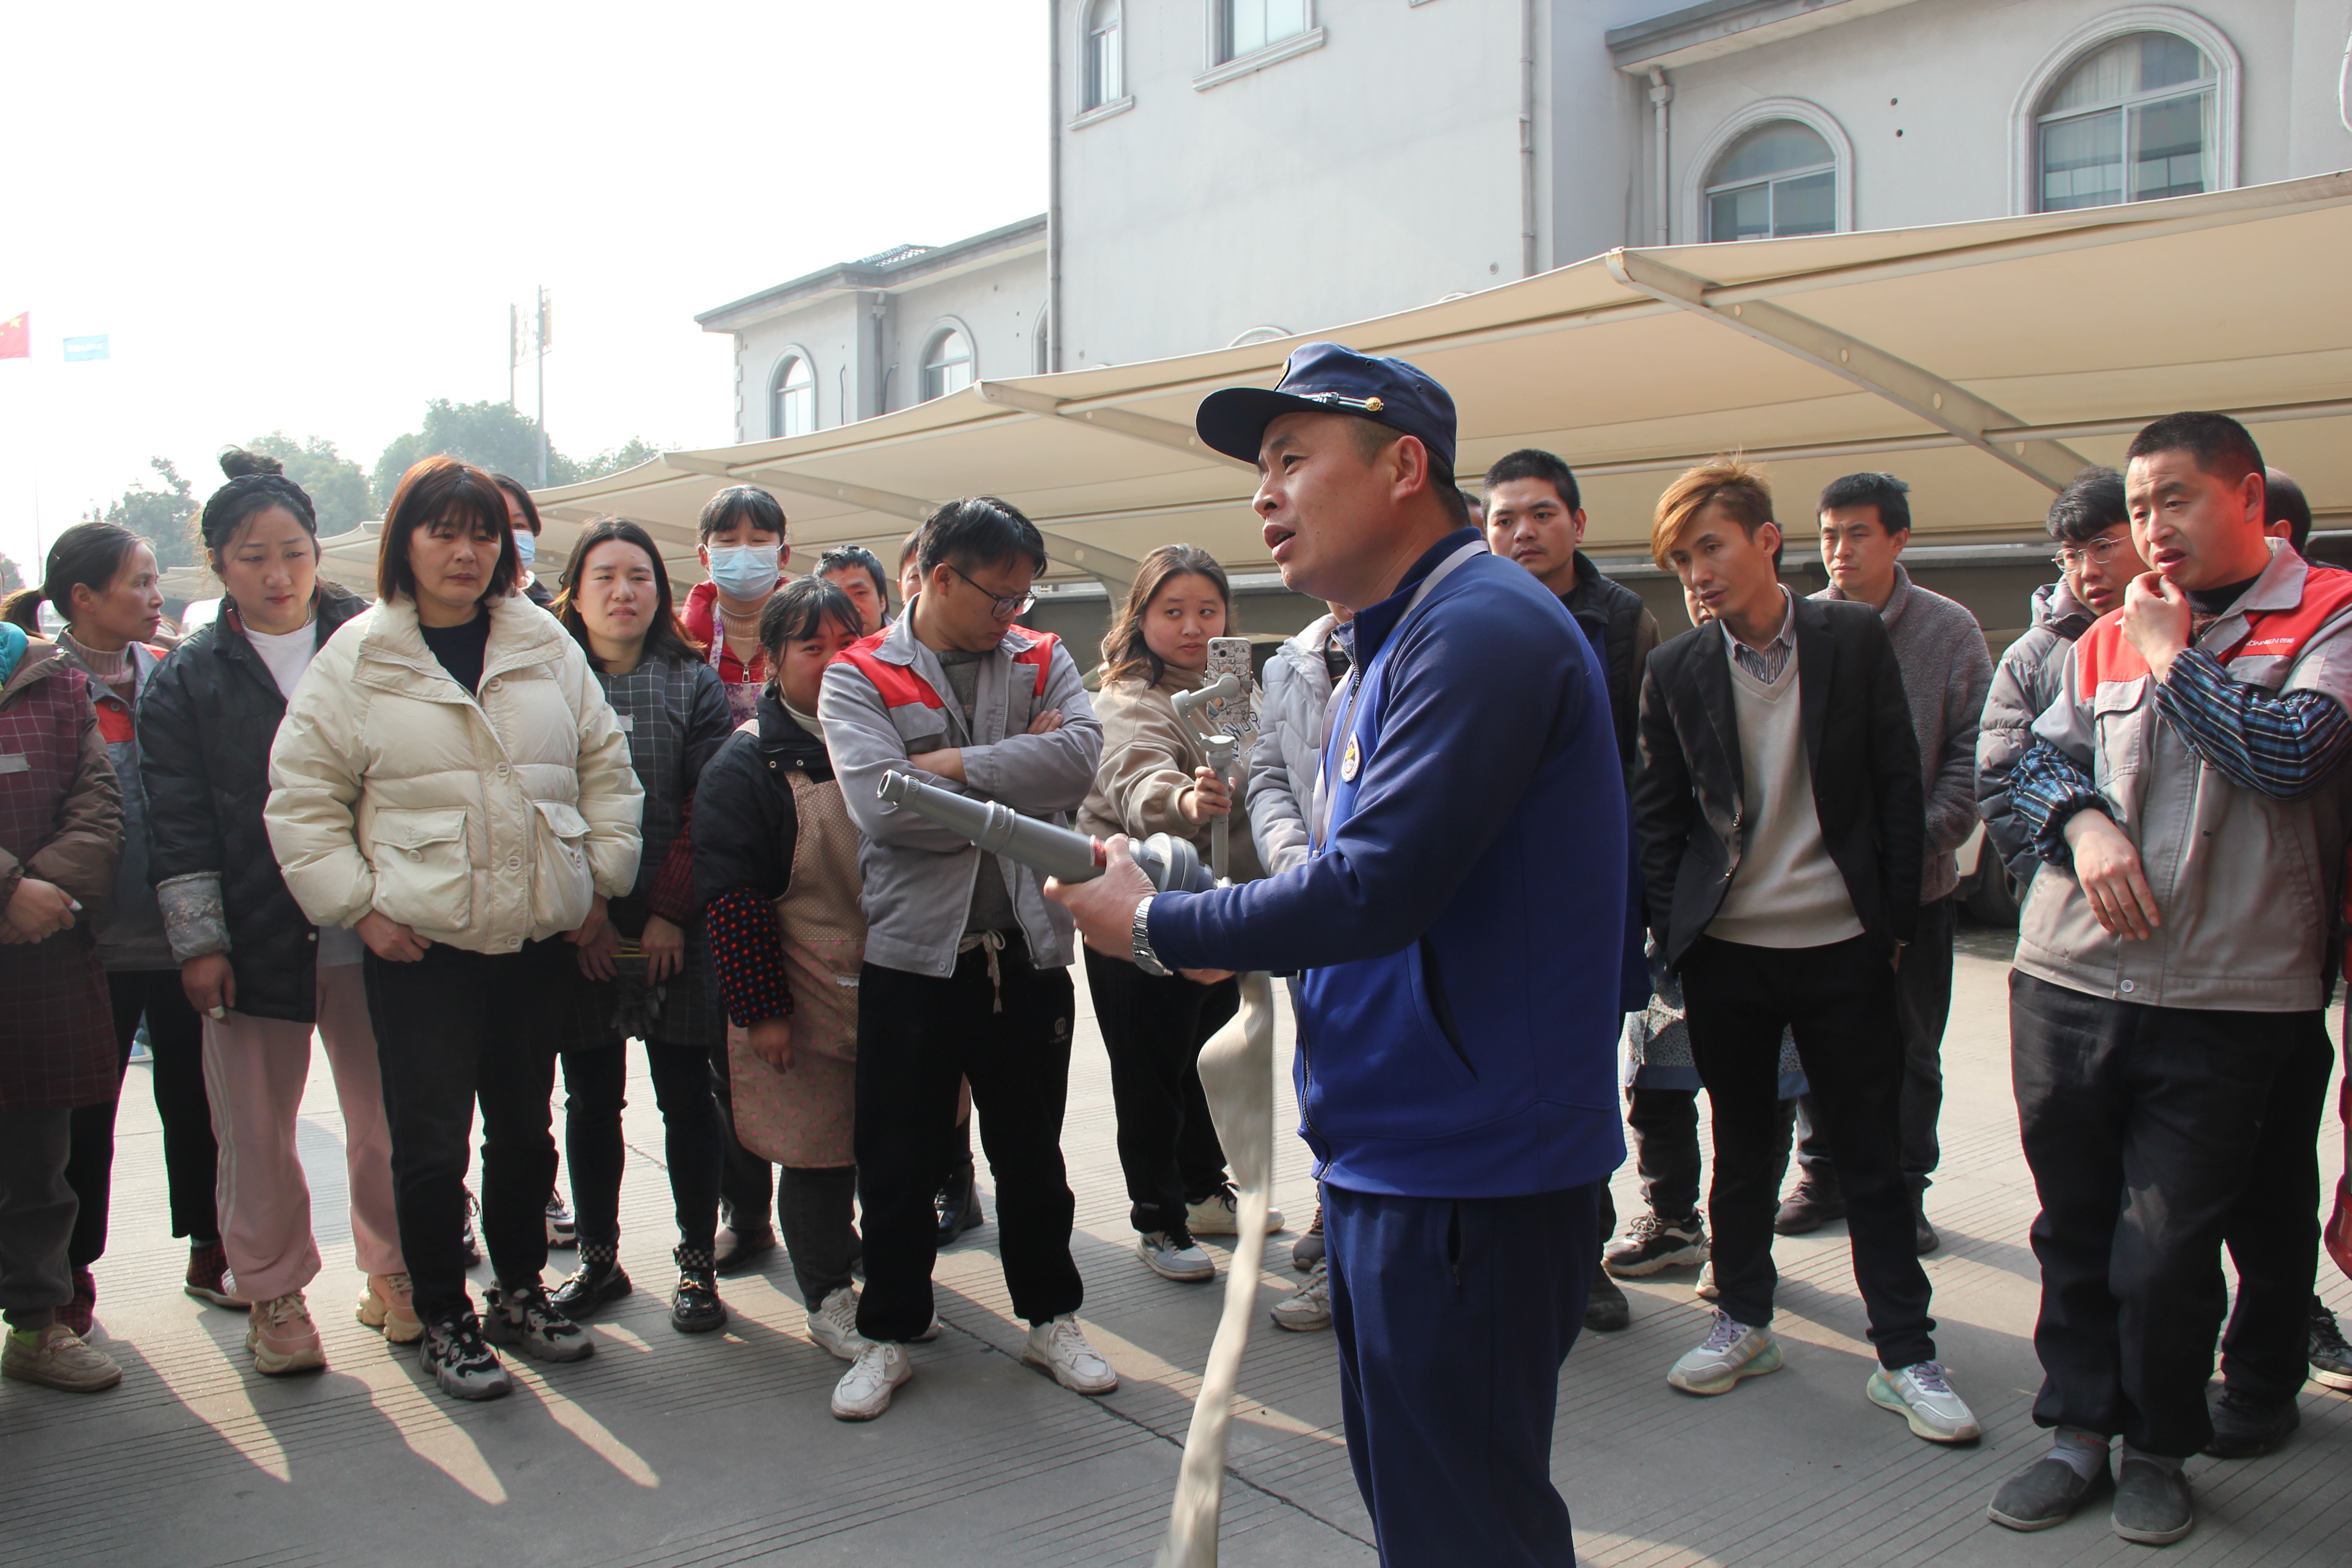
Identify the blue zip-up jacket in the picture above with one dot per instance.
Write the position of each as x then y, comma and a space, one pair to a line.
1461, 928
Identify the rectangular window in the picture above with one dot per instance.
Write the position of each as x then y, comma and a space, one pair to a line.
1807, 205
1249, 26
2082, 162
2170, 142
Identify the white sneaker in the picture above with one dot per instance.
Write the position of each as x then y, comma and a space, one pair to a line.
833, 1324
1732, 1352
1922, 1395
864, 1391
1060, 1346
1173, 1255
1309, 1307
1705, 1289
1218, 1213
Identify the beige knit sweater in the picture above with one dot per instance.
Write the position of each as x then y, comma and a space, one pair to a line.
1147, 758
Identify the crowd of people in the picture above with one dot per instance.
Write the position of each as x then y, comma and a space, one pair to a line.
479, 827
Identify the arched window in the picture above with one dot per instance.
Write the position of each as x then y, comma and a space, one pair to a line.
947, 363
1259, 336
792, 399
1778, 179
1245, 27
1103, 82
2133, 121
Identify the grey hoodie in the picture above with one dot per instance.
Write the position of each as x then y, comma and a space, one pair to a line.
2026, 682
888, 699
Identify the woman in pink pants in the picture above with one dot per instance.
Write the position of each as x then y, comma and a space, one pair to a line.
250, 962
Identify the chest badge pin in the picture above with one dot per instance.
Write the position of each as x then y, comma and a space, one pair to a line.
1350, 761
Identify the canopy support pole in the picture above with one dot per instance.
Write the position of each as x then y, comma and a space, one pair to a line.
1916, 391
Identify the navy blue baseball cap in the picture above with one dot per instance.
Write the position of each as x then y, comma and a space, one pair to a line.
1325, 378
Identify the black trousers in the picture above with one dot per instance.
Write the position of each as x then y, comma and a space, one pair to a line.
1923, 1005
1452, 1317
594, 1079
1839, 1001
917, 1037
452, 1030
2140, 1125
191, 1158
2272, 1231
1153, 1027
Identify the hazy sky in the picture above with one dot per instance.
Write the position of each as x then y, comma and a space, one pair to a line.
313, 218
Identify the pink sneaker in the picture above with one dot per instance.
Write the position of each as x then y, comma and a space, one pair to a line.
282, 1337
387, 1305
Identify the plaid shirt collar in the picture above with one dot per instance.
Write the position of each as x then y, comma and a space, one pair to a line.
1767, 662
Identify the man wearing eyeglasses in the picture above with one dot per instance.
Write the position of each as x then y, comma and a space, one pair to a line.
1865, 522
966, 971
2096, 561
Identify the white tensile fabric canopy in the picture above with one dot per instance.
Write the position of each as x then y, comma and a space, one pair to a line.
1986, 363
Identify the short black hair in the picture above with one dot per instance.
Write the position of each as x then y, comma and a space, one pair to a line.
2089, 506
745, 502
2220, 444
796, 611
1890, 495
979, 530
2285, 503
847, 557
1535, 463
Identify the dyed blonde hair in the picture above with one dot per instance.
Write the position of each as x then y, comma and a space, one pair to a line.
1740, 485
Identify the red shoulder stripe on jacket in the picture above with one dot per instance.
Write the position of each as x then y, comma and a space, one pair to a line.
1040, 653
898, 683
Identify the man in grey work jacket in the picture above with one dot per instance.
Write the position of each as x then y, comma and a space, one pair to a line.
1460, 926
967, 965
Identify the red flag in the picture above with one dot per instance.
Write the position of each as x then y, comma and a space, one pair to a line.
17, 336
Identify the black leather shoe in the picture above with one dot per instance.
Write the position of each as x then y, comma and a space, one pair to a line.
1606, 1309
1813, 1204
1922, 1232
959, 1203
598, 1282
695, 1307
740, 1252
2243, 1427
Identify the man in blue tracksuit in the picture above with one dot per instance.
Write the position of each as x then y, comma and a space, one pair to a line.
1459, 929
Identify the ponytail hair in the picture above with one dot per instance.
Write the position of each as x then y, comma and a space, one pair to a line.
87, 554
257, 482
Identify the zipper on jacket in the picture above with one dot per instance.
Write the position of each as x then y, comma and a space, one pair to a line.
1434, 982
1315, 1138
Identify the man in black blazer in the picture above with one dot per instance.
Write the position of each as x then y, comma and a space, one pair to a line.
1778, 806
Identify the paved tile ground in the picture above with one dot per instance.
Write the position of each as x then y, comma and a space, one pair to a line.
675, 1451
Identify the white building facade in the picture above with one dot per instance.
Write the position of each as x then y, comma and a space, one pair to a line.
1225, 170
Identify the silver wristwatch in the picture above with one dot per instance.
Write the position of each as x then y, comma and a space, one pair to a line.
1145, 959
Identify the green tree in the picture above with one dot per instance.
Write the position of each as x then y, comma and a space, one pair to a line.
164, 518
627, 455
336, 485
487, 435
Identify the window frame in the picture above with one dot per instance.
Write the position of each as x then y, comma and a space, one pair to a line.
1708, 193
1691, 213
790, 354
1220, 68
940, 331
1093, 94
2025, 113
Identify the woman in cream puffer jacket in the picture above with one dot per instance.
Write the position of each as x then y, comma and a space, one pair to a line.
450, 780
483, 822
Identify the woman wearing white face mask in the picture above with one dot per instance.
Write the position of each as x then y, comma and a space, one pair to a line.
523, 515
743, 548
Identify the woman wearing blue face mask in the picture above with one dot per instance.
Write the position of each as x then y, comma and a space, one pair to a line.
744, 549
523, 515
